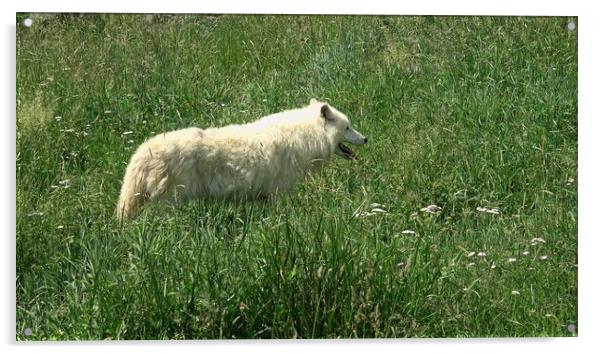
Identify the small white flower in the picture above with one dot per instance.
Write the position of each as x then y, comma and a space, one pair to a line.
378, 210
526, 253
487, 210
108, 112
549, 315
130, 141
361, 214
493, 266
376, 205
264, 100
408, 232
482, 254
543, 258
511, 260
58, 118
470, 254
127, 133
431, 209
223, 105
537, 240
470, 264
515, 292
60, 227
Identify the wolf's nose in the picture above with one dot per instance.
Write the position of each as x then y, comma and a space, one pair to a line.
365, 140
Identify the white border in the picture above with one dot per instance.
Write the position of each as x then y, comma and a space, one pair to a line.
589, 148
428, 7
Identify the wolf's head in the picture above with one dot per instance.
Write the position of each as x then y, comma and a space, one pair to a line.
340, 126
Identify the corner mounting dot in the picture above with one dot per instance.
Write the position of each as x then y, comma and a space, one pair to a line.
571, 328
571, 26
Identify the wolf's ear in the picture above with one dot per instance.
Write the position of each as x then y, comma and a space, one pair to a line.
327, 113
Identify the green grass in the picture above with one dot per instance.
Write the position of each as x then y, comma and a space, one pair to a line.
461, 112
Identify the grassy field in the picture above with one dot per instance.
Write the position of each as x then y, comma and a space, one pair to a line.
461, 112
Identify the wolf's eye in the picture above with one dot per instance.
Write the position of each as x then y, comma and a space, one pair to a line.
347, 128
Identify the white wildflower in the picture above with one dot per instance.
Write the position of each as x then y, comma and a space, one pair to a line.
515, 292
108, 112
470, 264
60, 227
361, 214
511, 260
493, 266
408, 232
543, 258
494, 211
537, 240
470, 254
526, 253
482, 254
431, 209
378, 210
127, 133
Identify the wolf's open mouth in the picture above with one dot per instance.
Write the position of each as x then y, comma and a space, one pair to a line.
345, 151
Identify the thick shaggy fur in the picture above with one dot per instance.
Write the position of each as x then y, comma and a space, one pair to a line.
233, 162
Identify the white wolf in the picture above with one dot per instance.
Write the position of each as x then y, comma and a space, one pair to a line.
236, 161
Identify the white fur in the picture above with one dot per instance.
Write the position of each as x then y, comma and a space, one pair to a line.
234, 162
